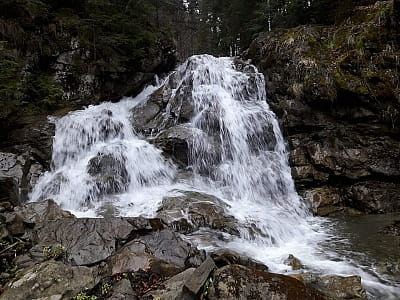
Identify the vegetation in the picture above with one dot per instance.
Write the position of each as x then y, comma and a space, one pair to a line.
53, 252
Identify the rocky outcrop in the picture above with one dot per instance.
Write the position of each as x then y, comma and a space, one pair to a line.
335, 90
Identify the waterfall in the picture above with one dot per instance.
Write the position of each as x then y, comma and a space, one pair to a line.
106, 161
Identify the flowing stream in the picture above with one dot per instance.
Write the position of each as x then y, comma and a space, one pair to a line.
102, 166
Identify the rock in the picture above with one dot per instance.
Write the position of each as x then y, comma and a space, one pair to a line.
223, 257
239, 282
9, 190
392, 229
198, 278
161, 251
89, 241
41, 211
294, 262
15, 225
342, 287
192, 210
324, 200
110, 174
122, 290
50, 280
172, 287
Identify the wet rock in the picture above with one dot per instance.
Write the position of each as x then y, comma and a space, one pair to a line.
172, 287
294, 262
192, 210
198, 278
109, 173
324, 200
239, 282
342, 287
223, 257
51, 280
392, 229
174, 142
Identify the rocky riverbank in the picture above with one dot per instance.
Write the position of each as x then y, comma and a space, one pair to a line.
51, 254
336, 91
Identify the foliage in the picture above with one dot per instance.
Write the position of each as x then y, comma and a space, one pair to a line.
84, 296
53, 253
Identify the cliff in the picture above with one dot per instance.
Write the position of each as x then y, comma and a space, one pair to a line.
336, 91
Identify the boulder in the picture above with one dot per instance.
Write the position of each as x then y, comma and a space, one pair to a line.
122, 290
161, 251
172, 287
9, 190
192, 210
342, 287
223, 257
239, 282
195, 282
392, 229
89, 241
109, 173
51, 280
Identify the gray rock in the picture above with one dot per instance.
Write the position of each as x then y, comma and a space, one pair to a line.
198, 278
239, 282
342, 287
223, 257
87, 241
161, 251
192, 210
51, 280
172, 287
41, 211
122, 290
110, 174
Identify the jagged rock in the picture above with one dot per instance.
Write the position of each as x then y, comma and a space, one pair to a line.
294, 262
172, 287
122, 291
109, 173
162, 252
324, 200
223, 257
24, 171
239, 282
198, 278
51, 280
192, 210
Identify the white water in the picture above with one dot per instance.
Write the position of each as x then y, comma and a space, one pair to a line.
248, 170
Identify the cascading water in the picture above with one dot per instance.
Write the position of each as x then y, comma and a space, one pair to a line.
236, 152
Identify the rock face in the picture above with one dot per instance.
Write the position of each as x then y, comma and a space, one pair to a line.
335, 91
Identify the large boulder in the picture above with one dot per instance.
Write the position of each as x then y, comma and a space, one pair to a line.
89, 241
162, 252
51, 280
239, 282
109, 173
193, 210
335, 92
